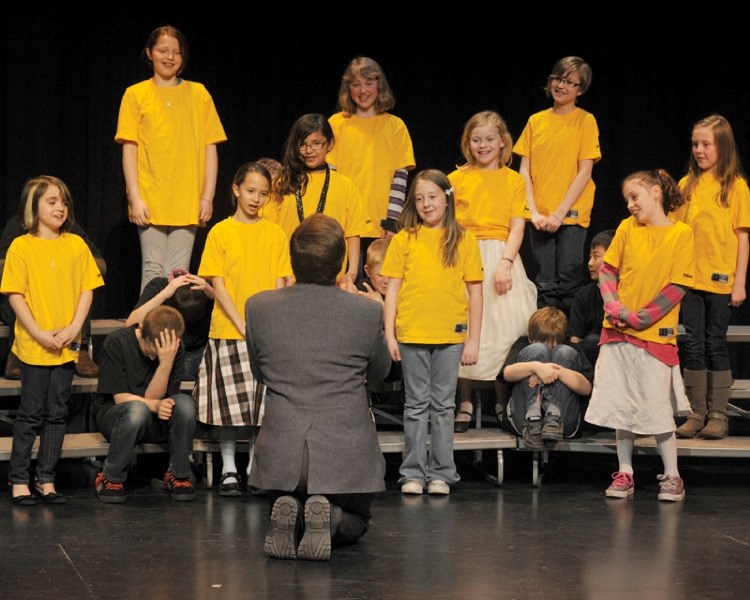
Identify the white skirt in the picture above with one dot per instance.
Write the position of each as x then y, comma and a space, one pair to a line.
635, 392
504, 318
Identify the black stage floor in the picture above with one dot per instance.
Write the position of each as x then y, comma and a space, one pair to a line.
561, 540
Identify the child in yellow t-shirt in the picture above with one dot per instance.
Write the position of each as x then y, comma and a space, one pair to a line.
309, 185
558, 149
430, 326
638, 387
169, 128
373, 147
717, 208
490, 201
49, 276
244, 254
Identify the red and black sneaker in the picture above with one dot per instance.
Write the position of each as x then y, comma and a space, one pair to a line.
108, 491
179, 488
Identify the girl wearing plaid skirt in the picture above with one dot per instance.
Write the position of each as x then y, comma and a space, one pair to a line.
244, 254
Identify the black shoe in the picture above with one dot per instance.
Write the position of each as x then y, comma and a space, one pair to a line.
281, 538
108, 491
462, 426
231, 488
316, 541
180, 489
24, 500
51, 497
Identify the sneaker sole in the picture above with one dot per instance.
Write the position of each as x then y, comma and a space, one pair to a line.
316, 541
671, 497
111, 499
182, 497
552, 437
535, 446
280, 540
619, 494
441, 491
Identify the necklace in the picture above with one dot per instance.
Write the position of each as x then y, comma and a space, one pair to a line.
321, 202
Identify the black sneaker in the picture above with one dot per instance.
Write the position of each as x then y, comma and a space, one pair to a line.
552, 431
179, 488
108, 491
532, 434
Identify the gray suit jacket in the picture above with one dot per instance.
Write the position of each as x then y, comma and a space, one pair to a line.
314, 347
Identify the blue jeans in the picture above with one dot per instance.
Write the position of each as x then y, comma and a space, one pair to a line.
706, 320
559, 257
556, 397
130, 423
43, 410
430, 375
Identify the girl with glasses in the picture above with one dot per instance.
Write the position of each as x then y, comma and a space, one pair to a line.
558, 149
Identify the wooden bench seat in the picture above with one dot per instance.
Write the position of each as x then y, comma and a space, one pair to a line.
81, 445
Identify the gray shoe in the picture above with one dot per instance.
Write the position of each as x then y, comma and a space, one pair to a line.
281, 538
316, 541
532, 434
552, 430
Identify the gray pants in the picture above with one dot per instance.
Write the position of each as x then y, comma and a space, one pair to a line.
528, 401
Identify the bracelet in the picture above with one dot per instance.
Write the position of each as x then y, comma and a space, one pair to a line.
561, 219
510, 260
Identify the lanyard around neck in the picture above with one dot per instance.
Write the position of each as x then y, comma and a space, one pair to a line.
321, 202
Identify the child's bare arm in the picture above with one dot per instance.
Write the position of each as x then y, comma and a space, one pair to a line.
226, 303
575, 381
470, 352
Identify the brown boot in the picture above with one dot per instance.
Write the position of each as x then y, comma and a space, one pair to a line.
12, 367
719, 384
696, 388
86, 367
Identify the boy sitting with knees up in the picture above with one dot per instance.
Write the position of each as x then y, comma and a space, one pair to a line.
549, 378
139, 400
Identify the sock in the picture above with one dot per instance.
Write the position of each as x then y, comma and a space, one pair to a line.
625, 441
667, 445
227, 458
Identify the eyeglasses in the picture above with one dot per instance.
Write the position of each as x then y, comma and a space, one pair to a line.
316, 145
565, 82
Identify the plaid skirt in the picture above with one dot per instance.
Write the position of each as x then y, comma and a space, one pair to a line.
226, 393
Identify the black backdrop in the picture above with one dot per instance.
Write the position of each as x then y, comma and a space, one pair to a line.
65, 66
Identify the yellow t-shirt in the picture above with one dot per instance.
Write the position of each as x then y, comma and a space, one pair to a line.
649, 258
554, 144
432, 306
343, 203
714, 228
51, 275
250, 257
369, 151
172, 127
486, 200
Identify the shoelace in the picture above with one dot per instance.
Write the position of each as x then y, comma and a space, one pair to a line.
112, 486
179, 483
621, 479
